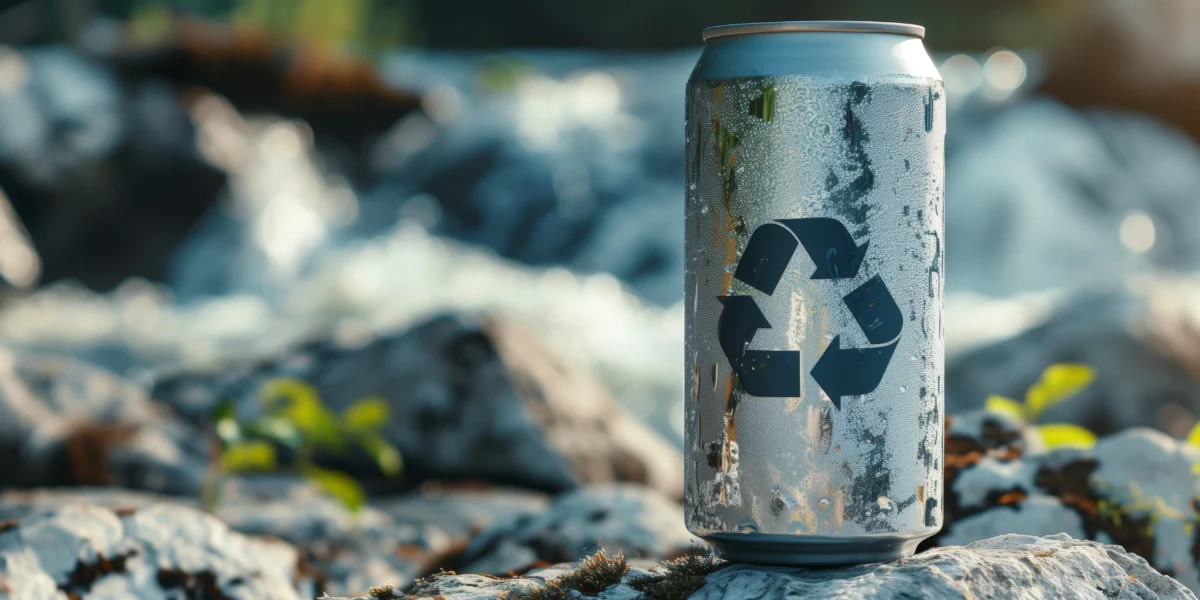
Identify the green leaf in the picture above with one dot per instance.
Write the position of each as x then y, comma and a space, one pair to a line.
1193, 436
1066, 435
1005, 406
275, 429
367, 414
302, 406
249, 456
1058, 383
384, 454
337, 484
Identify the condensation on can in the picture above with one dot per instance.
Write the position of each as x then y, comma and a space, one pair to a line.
814, 296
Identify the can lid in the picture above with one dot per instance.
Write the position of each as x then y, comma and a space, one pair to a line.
810, 26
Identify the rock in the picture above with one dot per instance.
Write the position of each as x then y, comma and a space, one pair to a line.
470, 399
461, 513
1037, 179
157, 551
340, 552
637, 522
1039, 567
350, 297
1140, 341
1037, 516
344, 552
1132, 55
87, 159
1136, 489
67, 423
572, 162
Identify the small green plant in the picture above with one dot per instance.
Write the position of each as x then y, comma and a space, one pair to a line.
293, 417
1151, 509
1193, 437
1057, 383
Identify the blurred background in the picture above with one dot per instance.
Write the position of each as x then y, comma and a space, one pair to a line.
460, 223
203, 187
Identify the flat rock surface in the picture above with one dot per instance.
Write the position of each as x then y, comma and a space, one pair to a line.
156, 551
1009, 566
636, 521
389, 540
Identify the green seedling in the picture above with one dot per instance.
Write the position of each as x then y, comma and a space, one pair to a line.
1058, 383
293, 417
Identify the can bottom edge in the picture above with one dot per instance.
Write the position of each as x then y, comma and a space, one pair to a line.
812, 550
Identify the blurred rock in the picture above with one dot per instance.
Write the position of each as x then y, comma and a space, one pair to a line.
637, 522
470, 399
1136, 489
341, 552
548, 158
66, 423
1032, 567
370, 289
103, 173
1133, 55
157, 551
341, 96
461, 513
1142, 342
1043, 197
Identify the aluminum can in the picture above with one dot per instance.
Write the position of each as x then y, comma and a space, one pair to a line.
814, 292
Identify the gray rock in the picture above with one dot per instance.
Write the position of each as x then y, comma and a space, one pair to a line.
1040, 192
1039, 567
1003, 567
72, 128
64, 422
1152, 476
1135, 488
595, 187
1034, 516
342, 552
461, 514
470, 399
157, 551
1141, 341
638, 522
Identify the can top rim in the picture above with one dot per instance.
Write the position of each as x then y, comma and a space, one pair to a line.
916, 31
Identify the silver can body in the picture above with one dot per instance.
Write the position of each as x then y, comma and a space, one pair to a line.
814, 294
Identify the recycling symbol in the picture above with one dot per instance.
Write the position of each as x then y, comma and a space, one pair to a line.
840, 371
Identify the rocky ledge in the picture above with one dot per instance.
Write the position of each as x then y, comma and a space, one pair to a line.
1008, 566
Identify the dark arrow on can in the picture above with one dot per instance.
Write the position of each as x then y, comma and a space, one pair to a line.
770, 249
851, 371
762, 373
830, 247
839, 372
